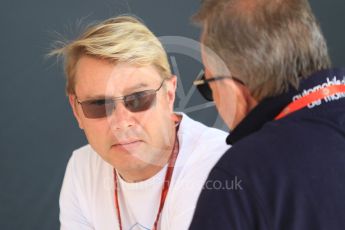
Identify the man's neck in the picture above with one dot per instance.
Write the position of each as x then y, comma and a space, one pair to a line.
141, 175
245, 103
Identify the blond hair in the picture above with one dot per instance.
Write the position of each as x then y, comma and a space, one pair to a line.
123, 39
270, 45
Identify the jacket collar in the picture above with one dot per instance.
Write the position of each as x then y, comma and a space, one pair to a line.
269, 108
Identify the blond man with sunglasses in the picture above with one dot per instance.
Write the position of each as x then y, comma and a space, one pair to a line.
145, 165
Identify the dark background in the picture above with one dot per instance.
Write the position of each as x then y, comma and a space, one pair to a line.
37, 130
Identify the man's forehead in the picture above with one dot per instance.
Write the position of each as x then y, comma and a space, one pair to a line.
89, 67
98, 78
133, 80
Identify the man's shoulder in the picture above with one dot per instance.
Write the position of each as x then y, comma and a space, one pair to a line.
199, 138
200, 145
200, 131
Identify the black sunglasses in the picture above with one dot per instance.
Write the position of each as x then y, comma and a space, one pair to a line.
202, 84
135, 102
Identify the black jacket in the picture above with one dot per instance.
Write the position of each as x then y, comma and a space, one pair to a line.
283, 174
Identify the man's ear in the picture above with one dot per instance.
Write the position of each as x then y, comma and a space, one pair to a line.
76, 112
171, 91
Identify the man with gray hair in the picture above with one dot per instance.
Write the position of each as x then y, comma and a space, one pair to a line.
268, 70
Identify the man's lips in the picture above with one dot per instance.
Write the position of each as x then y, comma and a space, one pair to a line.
127, 144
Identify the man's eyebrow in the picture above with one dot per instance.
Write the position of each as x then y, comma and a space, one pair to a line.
135, 87
127, 91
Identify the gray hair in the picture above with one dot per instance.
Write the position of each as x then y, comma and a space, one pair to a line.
268, 44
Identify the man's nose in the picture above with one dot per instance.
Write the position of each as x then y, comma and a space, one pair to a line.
121, 117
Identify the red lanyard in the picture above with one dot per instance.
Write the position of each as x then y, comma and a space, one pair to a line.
310, 98
165, 189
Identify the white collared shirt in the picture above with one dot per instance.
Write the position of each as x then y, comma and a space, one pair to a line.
87, 195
